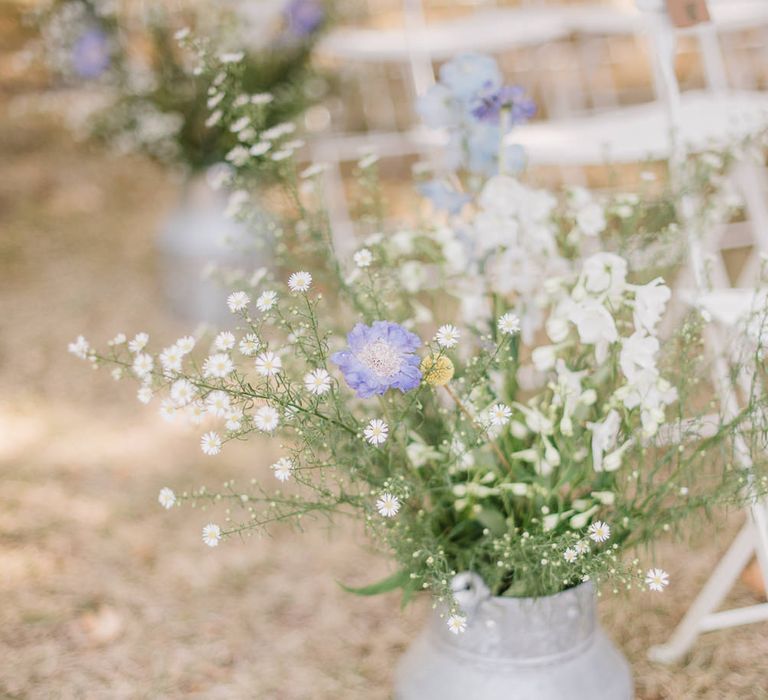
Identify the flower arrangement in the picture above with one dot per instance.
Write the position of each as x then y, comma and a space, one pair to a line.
482, 390
157, 96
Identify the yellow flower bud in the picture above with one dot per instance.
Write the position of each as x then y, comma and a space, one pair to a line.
437, 370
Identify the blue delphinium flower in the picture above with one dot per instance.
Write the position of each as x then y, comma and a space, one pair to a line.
304, 17
469, 73
489, 103
443, 196
91, 54
379, 357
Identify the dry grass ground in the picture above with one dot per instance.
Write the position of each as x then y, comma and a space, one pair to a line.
105, 596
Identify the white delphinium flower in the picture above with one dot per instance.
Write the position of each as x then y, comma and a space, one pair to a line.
376, 432
499, 415
317, 382
299, 281
650, 301
604, 274
139, 342
211, 534
283, 469
388, 505
509, 324
79, 348
604, 435
570, 555
171, 359
657, 579
144, 394
591, 219
217, 403
268, 364
237, 301
210, 443
196, 412
250, 344
363, 258
457, 624
143, 365
447, 336
266, 301
638, 353
260, 148
183, 392
185, 344
595, 326
119, 339
166, 498
218, 365
224, 341
266, 419
599, 531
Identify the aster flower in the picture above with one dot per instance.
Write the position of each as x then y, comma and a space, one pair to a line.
144, 394
376, 432
250, 344
218, 365
237, 301
266, 419
599, 531
186, 344
266, 301
210, 443
139, 342
171, 359
363, 258
182, 392
317, 382
224, 341
457, 624
268, 364
217, 403
143, 364
211, 534
380, 357
283, 469
499, 414
509, 324
196, 412
570, 555
166, 498
299, 281
388, 505
167, 411
447, 336
657, 579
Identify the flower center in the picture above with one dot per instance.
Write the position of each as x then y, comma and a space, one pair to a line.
381, 358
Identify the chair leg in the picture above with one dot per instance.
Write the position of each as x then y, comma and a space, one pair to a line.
753, 185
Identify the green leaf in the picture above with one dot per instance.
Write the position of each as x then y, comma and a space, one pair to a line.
397, 580
493, 520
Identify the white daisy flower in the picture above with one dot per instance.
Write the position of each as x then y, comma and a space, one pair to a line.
570, 555
217, 403
171, 359
144, 394
266, 419
363, 258
283, 469
139, 342
182, 392
599, 531
218, 365
185, 344
79, 348
210, 443
143, 364
447, 336
317, 382
196, 412
299, 281
224, 341
268, 364
509, 324
211, 534
266, 301
376, 432
657, 579
457, 623
237, 301
166, 498
388, 505
250, 344
499, 414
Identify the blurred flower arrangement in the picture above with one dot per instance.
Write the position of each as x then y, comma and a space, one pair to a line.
487, 391
156, 94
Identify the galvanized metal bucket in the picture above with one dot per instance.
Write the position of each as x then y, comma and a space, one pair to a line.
550, 648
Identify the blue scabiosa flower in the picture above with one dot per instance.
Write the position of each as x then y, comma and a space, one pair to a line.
91, 54
380, 357
304, 17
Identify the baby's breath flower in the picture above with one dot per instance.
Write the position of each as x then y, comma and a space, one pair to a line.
437, 370
268, 364
376, 432
210, 443
80, 348
211, 534
457, 623
509, 324
317, 382
447, 336
363, 258
299, 281
283, 469
166, 498
599, 531
266, 419
119, 339
388, 505
656, 579
237, 301
266, 301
